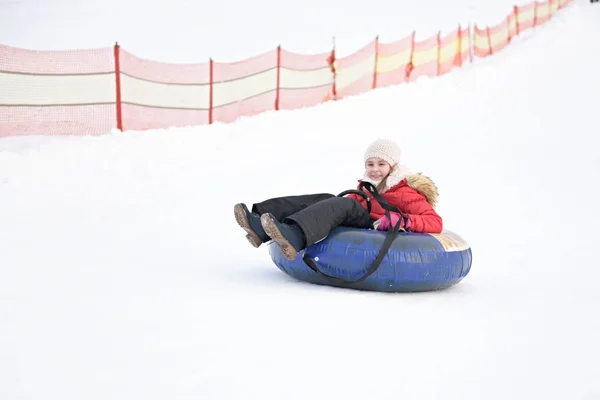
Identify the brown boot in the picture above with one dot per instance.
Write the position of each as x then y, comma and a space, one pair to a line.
290, 237
250, 222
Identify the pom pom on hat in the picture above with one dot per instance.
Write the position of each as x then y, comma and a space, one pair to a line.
385, 149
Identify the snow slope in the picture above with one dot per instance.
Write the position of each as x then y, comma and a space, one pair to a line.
232, 30
124, 275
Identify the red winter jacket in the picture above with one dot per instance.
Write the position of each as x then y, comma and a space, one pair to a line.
415, 195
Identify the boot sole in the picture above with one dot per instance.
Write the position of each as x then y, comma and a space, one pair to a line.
271, 229
242, 220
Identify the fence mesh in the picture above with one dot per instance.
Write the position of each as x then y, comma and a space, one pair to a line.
77, 92
245, 88
57, 92
305, 80
157, 95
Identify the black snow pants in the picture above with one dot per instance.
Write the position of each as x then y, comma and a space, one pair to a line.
316, 214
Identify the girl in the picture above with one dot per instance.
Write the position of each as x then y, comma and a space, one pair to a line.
296, 222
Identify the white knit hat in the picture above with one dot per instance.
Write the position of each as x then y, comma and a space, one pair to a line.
385, 149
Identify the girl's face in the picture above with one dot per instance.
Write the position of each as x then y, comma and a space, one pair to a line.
377, 169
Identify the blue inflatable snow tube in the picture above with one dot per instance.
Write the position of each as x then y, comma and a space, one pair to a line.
415, 262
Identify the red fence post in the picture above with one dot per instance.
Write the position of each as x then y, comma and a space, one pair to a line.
118, 87
460, 52
410, 66
489, 40
471, 33
517, 19
278, 77
439, 51
376, 62
331, 62
210, 92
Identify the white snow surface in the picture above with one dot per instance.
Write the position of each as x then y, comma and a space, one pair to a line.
123, 274
232, 30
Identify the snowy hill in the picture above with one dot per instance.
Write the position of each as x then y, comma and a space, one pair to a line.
124, 275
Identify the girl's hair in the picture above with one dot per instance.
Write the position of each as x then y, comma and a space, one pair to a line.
383, 182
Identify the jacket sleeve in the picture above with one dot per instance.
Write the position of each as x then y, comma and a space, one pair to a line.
423, 217
358, 198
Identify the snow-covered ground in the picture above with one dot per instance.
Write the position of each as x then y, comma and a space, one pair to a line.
232, 30
124, 276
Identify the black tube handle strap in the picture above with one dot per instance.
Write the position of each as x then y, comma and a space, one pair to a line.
391, 234
360, 193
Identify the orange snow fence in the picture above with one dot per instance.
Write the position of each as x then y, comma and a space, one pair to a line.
57, 92
92, 92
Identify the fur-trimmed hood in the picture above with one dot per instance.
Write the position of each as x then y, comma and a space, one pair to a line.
421, 183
